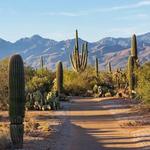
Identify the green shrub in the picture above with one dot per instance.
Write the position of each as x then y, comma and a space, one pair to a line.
78, 83
4, 84
81, 83
143, 83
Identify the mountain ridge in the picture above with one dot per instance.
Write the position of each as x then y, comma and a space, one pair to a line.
109, 48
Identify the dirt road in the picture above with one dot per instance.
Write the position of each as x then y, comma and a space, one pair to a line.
94, 124
86, 124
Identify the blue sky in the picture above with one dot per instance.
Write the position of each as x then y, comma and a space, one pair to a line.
58, 19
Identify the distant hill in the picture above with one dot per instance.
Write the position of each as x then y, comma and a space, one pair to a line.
114, 49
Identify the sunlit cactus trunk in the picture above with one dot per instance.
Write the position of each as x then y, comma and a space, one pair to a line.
59, 77
131, 77
134, 47
133, 64
109, 67
134, 52
16, 100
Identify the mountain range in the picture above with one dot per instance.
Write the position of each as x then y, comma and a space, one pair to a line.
107, 49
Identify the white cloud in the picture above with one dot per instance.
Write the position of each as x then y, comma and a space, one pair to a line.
130, 6
67, 14
139, 4
134, 17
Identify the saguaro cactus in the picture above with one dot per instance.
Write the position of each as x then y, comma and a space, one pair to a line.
16, 100
59, 77
42, 62
96, 67
79, 61
131, 74
134, 53
134, 47
109, 66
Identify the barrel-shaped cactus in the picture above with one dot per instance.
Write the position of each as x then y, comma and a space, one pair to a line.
59, 77
96, 67
16, 100
79, 61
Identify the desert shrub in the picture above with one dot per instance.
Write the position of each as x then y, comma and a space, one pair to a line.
29, 73
78, 83
4, 84
37, 87
42, 80
143, 82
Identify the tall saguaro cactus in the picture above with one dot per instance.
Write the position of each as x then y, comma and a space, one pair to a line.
133, 64
109, 67
59, 77
134, 52
42, 62
16, 100
96, 67
79, 61
131, 74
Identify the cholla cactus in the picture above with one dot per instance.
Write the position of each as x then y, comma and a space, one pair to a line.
79, 61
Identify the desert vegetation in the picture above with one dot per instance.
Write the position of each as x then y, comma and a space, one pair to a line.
23, 88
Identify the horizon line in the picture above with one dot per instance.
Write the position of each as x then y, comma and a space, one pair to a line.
42, 36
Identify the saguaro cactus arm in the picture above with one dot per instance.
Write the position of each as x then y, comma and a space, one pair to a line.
79, 61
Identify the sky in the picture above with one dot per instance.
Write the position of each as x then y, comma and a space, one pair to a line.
58, 19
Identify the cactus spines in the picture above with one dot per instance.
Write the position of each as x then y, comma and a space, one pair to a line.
96, 67
59, 77
131, 73
16, 100
79, 61
109, 67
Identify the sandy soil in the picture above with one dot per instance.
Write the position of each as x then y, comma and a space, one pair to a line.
87, 124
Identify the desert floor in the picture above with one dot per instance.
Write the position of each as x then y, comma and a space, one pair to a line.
86, 124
